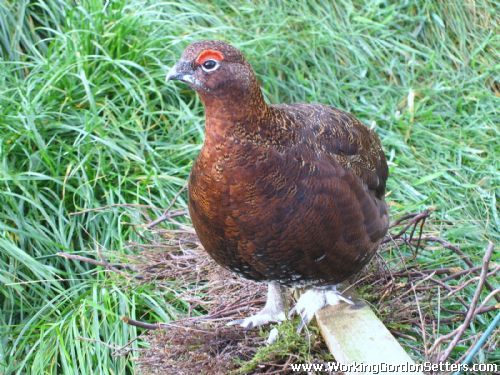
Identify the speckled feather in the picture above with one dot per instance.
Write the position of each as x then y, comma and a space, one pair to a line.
289, 192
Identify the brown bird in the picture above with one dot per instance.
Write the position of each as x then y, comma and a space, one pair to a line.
290, 194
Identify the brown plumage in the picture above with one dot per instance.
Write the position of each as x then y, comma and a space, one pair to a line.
291, 193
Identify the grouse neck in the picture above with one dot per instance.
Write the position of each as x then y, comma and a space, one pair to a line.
224, 114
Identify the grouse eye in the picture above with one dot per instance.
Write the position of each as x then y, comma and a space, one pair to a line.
210, 65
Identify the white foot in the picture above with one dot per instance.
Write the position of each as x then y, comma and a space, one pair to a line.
273, 311
314, 300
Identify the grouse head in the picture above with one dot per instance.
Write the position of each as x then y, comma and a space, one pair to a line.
219, 73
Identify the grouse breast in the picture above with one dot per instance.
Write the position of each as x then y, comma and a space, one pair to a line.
295, 194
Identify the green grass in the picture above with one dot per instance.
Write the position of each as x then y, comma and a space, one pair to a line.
86, 120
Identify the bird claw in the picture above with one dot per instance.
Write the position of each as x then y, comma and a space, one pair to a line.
235, 322
305, 314
273, 310
259, 319
314, 300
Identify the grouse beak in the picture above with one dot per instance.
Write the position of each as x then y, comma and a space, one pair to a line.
182, 71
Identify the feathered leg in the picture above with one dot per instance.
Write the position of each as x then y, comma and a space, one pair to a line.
273, 311
315, 299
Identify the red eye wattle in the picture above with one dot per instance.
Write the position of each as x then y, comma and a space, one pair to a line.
209, 54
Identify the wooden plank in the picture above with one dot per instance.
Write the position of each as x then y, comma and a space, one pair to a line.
353, 333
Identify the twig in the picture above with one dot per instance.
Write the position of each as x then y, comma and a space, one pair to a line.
448, 288
386, 266
88, 260
103, 263
438, 271
479, 342
471, 313
419, 234
460, 253
417, 284
81, 259
138, 323
356, 283
123, 350
461, 273
410, 216
95, 341
402, 335
109, 266
492, 294
480, 310
422, 321
166, 215
415, 218
470, 281
103, 208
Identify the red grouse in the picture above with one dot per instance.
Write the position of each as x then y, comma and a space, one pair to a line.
290, 194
